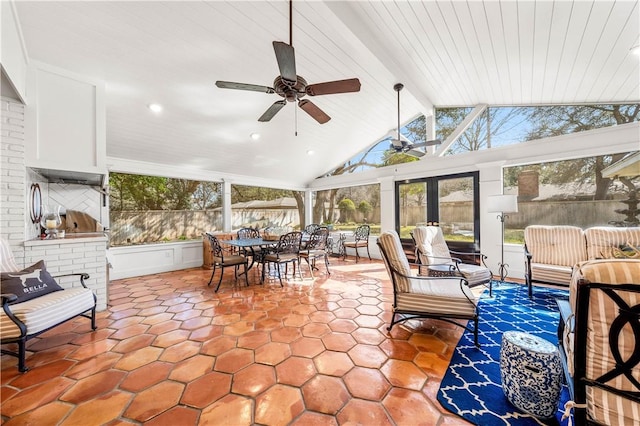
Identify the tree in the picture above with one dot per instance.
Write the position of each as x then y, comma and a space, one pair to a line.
136, 192
561, 120
346, 207
365, 208
391, 158
207, 196
494, 123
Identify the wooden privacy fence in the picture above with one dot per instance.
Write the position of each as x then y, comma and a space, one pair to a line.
583, 214
139, 227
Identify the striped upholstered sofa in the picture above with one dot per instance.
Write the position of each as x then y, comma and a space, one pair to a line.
599, 337
552, 252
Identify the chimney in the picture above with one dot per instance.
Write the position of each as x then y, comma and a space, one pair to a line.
528, 186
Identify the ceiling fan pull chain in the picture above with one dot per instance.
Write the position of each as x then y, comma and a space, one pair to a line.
296, 121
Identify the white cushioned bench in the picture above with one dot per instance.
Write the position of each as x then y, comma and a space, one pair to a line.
22, 321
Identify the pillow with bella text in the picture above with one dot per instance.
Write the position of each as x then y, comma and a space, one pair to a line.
29, 283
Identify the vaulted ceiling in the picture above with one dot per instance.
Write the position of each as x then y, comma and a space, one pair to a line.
447, 53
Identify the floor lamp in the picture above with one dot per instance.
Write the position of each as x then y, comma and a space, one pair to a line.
502, 204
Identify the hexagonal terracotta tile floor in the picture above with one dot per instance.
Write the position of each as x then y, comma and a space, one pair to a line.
169, 350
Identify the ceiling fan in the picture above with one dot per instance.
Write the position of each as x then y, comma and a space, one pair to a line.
293, 87
401, 143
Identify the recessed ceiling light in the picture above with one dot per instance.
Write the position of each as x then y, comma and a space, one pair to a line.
255, 136
155, 108
635, 50
310, 152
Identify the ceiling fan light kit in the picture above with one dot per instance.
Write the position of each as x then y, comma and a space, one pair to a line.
292, 87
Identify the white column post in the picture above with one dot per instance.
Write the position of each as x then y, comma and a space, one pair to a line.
226, 206
387, 203
308, 206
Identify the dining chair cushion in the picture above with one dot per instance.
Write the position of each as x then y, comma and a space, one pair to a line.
312, 253
282, 257
360, 243
232, 259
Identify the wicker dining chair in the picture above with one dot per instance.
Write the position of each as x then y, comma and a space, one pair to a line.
225, 260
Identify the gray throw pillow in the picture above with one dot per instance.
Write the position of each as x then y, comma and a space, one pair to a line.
29, 283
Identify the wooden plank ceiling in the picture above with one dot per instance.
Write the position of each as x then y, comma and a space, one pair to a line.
447, 53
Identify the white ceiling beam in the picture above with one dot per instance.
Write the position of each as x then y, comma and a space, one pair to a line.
353, 20
446, 144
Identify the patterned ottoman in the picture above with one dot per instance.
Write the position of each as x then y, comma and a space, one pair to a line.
531, 373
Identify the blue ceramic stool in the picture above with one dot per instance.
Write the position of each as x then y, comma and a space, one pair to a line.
531, 373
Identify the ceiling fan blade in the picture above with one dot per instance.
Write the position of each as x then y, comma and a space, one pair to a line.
244, 86
331, 87
273, 110
285, 55
315, 112
415, 153
427, 143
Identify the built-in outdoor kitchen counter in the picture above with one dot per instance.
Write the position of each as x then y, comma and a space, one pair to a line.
75, 253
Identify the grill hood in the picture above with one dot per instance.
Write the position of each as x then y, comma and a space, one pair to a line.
73, 177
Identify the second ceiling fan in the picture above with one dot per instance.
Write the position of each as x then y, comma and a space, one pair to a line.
292, 87
401, 143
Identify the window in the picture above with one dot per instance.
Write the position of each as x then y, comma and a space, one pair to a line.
346, 208
449, 201
151, 209
381, 154
583, 192
500, 126
259, 207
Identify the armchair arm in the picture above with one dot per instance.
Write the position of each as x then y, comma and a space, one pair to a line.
6, 299
527, 253
83, 276
482, 257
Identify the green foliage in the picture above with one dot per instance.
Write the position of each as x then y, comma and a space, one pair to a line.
391, 158
137, 192
365, 208
244, 193
346, 205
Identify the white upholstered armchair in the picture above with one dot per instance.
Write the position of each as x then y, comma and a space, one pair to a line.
433, 252
443, 298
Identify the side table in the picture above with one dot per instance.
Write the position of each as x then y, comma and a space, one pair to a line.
439, 270
531, 373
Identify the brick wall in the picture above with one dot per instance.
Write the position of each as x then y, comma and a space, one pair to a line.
60, 256
12, 176
73, 255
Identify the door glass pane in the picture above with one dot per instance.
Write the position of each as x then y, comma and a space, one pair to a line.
412, 206
455, 208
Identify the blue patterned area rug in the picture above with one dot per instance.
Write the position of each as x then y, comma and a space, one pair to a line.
471, 387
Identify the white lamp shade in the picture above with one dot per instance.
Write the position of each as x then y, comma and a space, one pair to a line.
502, 204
